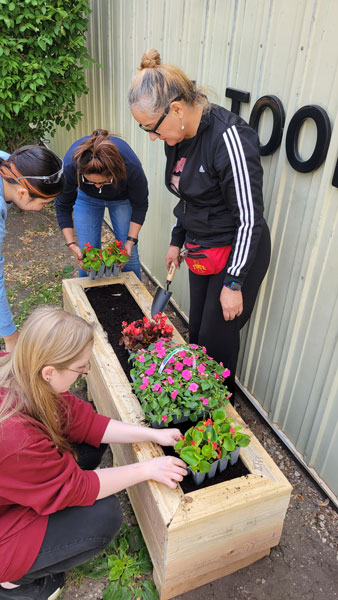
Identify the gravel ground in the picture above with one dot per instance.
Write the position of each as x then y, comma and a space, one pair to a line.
305, 563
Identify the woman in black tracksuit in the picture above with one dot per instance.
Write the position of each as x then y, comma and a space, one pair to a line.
213, 167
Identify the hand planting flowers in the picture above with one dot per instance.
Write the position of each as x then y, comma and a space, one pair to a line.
143, 332
210, 440
178, 382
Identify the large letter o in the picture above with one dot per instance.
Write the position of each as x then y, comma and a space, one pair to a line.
322, 121
278, 115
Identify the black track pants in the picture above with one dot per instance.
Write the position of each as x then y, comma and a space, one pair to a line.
77, 533
207, 326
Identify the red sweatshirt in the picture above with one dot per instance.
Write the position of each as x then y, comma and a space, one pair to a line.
37, 480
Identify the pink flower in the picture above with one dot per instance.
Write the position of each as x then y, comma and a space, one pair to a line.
156, 387
171, 360
232, 430
182, 353
229, 396
164, 418
171, 380
150, 371
226, 373
204, 400
160, 389
174, 394
189, 361
161, 353
204, 349
193, 346
186, 374
168, 371
215, 375
178, 366
201, 369
145, 383
193, 386
140, 358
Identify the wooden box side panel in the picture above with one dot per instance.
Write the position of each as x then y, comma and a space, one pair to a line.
209, 540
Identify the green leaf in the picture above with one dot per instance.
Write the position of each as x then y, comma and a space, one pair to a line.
149, 591
114, 591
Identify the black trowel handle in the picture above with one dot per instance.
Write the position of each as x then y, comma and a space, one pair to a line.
171, 273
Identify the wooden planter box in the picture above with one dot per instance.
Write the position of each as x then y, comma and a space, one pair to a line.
192, 538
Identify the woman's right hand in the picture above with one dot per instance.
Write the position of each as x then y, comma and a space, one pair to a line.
76, 252
166, 469
173, 256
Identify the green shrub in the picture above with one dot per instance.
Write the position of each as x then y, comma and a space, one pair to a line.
43, 57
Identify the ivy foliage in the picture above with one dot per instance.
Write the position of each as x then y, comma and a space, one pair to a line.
43, 58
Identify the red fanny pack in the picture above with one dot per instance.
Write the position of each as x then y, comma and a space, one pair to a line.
206, 261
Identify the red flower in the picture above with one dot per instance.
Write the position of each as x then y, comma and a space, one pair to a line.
193, 443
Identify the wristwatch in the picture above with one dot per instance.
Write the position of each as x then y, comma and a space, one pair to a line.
132, 239
236, 287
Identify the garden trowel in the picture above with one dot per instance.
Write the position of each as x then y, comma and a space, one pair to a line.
162, 296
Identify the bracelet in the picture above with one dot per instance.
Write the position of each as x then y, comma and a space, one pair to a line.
69, 244
132, 239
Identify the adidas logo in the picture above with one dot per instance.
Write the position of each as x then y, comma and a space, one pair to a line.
201, 169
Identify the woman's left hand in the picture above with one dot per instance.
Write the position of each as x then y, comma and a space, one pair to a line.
231, 302
166, 437
128, 246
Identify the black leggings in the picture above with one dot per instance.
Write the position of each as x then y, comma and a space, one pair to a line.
77, 533
207, 326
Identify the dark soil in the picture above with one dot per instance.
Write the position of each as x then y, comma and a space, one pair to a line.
304, 565
112, 306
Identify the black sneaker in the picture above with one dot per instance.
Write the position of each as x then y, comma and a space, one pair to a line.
46, 588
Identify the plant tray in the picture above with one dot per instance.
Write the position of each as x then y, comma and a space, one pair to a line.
197, 537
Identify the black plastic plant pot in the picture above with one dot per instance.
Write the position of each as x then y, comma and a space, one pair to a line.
234, 456
101, 271
92, 273
116, 269
108, 271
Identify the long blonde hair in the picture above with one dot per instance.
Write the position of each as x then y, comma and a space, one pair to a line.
157, 84
53, 337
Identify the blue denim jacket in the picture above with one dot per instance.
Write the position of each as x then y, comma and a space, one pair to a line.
7, 326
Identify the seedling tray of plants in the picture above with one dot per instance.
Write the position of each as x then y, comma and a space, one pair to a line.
237, 520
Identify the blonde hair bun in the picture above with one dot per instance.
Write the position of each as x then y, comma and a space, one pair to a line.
150, 59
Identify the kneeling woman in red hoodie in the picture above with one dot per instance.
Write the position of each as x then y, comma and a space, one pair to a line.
56, 508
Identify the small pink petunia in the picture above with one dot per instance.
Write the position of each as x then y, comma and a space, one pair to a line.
140, 358
187, 374
178, 366
171, 380
226, 373
182, 353
229, 396
150, 371
193, 346
145, 383
232, 430
174, 394
215, 375
171, 360
204, 349
193, 387
201, 369
156, 387
161, 353
164, 418
160, 389
204, 400
168, 371
189, 361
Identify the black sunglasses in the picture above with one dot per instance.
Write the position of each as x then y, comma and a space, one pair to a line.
162, 117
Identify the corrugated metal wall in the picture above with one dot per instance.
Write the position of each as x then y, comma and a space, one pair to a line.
289, 354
